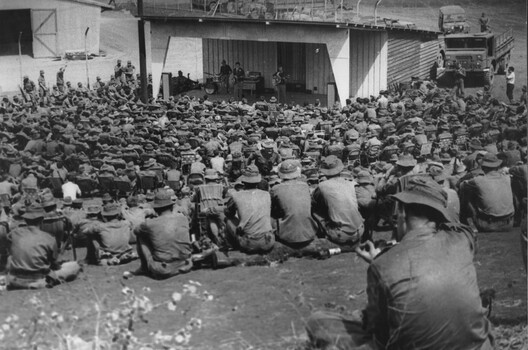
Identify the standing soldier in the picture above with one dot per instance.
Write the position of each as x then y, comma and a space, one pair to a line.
460, 74
42, 88
484, 23
60, 78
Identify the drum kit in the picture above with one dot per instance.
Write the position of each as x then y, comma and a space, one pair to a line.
212, 83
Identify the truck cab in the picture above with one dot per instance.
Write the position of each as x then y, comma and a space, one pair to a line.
452, 19
475, 52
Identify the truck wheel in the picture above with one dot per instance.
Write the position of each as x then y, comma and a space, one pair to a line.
488, 78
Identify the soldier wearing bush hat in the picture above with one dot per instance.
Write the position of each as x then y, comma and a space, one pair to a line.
291, 209
33, 255
402, 275
163, 243
248, 212
487, 201
335, 204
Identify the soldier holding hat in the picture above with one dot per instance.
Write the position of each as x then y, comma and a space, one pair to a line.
406, 307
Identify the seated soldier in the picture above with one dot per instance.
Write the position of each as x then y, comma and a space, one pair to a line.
334, 205
248, 212
209, 199
422, 293
55, 223
163, 243
107, 242
487, 200
33, 263
290, 207
366, 198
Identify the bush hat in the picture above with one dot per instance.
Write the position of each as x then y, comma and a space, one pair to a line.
331, 166
35, 211
475, 145
110, 209
48, 200
364, 178
289, 169
162, 199
426, 192
251, 175
490, 160
406, 160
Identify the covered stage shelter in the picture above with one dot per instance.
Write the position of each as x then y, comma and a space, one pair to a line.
358, 59
49, 28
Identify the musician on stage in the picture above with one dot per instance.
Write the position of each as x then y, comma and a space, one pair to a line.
225, 72
238, 75
279, 80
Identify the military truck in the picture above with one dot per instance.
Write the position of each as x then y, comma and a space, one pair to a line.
482, 55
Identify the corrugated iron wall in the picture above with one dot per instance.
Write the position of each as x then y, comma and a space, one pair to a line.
368, 62
318, 68
428, 54
410, 54
258, 56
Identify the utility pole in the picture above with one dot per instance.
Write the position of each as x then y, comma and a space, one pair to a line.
142, 54
20, 58
376, 12
86, 57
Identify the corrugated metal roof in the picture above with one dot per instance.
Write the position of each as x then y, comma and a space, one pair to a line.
93, 3
341, 25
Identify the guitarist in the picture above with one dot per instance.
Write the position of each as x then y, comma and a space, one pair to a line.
238, 75
279, 81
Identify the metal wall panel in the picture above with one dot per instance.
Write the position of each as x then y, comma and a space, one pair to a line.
318, 68
255, 56
410, 54
368, 63
428, 55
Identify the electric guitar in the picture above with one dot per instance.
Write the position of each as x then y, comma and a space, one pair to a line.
277, 79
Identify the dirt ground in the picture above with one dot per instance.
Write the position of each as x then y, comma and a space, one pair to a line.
262, 307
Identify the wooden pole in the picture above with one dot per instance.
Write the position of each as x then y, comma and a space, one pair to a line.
86, 57
20, 58
142, 54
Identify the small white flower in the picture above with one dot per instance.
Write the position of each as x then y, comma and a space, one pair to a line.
127, 291
171, 306
210, 297
54, 314
179, 339
6, 327
176, 297
191, 289
2, 335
